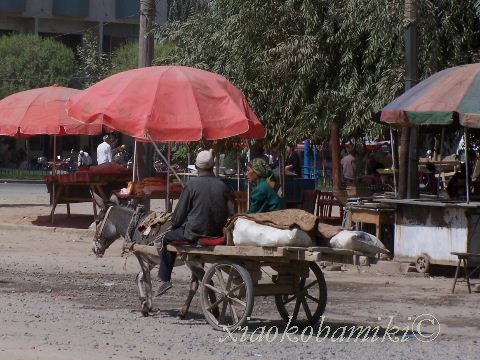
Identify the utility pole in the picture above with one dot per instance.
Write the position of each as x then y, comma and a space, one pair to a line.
144, 152
145, 38
408, 169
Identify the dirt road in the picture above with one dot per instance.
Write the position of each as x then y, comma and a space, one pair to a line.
60, 302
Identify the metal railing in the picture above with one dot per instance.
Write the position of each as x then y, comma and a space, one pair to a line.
23, 174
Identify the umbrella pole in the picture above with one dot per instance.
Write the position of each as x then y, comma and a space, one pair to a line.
54, 155
54, 168
392, 146
466, 166
166, 161
189, 159
134, 177
238, 171
169, 157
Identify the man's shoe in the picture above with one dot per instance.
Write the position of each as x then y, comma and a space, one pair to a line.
164, 287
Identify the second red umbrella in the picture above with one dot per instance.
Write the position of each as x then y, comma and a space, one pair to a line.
168, 103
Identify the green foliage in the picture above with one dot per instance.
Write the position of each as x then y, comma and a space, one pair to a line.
306, 63
126, 57
181, 10
93, 65
29, 61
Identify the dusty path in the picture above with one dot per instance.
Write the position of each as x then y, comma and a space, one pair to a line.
57, 301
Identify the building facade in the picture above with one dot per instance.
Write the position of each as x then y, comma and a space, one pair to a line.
115, 21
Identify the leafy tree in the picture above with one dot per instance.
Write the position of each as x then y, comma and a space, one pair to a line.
126, 56
181, 10
307, 63
94, 66
29, 61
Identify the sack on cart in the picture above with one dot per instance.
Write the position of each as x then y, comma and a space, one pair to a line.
249, 233
358, 241
290, 227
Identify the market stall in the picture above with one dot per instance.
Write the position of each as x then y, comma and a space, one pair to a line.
80, 186
427, 231
149, 188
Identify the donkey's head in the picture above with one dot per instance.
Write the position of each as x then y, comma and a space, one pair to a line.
110, 224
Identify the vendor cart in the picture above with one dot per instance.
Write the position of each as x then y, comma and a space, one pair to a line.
427, 232
239, 273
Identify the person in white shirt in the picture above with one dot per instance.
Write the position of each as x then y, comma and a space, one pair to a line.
84, 159
104, 151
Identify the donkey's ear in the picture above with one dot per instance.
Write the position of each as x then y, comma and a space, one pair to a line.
99, 201
114, 200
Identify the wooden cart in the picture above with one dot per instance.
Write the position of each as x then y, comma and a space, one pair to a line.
239, 273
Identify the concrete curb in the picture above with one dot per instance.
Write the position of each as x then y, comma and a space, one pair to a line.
386, 267
21, 181
8, 226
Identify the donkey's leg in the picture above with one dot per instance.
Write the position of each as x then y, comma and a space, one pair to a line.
197, 276
191, 293
142, 294
148, 283
144, 285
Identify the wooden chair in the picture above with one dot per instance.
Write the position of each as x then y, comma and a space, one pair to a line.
325, 204
240, 200
309, 201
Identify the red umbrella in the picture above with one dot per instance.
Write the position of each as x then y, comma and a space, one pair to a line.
41, 112
168, 103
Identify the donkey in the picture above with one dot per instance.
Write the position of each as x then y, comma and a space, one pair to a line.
115, 221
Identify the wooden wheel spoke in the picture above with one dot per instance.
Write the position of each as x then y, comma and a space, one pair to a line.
221, 318
221, 280
229, 280
238, 301
289, 299
310, 285
232, 310
211, 287
215, 303
237, 287
306, 308
312, 298
296, 309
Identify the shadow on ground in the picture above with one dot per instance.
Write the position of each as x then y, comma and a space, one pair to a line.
77, 221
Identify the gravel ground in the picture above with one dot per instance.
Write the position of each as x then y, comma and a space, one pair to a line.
58, 301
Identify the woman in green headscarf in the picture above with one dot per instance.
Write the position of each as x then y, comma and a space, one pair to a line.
263, 197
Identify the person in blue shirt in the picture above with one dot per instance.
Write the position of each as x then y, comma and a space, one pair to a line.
263, 198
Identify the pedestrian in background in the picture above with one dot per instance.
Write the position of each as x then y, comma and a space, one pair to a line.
84, 158
349, 167
292, 162
104, 151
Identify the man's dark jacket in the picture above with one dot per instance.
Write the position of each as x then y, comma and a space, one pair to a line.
203, 207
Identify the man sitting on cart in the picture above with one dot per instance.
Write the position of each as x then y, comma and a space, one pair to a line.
202, 211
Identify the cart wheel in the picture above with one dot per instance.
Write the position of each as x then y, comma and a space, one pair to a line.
233, 303
422, 264
307, 305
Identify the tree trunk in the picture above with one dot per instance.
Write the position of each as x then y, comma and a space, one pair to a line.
403, 163
335, 148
